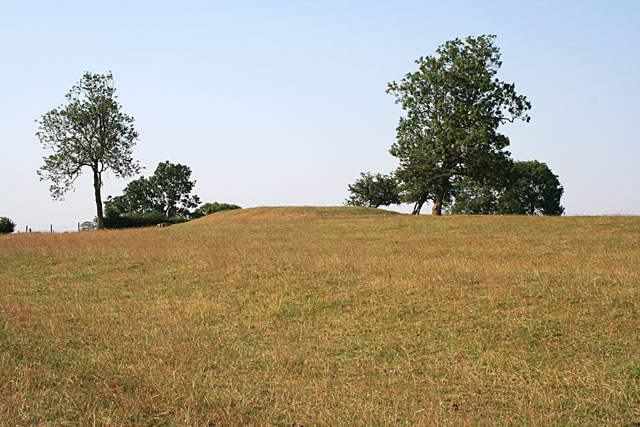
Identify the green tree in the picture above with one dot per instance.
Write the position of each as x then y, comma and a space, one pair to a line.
172, 188
529, 188
137, 197
454, 106
167, 191
209, 208
6, 225
473, 198
90, 131
373, 190
534, 190
88, 226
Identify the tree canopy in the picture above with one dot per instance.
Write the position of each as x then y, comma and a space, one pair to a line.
374, 191
90, 131
167, 191
529, 188
454, 106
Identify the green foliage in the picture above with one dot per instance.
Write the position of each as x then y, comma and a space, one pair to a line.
529, 188
137, 197
88, 226
454, 105
373, 191
6, 225
209, 208
89, 131
418, 177
474, 198
167, 191
534, 190
135, 219
171, 189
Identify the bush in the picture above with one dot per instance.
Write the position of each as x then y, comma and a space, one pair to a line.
6, 225
209, 208
131, 220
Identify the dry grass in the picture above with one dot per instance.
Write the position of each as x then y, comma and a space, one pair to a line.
324, 316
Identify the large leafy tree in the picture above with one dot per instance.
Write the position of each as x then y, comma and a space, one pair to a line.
528, 188
167, 191
373, 191
90, 131
454, 106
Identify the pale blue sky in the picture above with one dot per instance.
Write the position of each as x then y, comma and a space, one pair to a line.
284, 103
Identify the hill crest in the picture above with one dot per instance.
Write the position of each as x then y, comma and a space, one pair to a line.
286, 213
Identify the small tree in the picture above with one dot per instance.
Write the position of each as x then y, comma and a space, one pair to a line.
167, 191
373, 191
454, 105
6, 225
90, 131
209, 208
88, 226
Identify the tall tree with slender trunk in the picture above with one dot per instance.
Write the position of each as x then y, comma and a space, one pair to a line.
90, 131
454, 106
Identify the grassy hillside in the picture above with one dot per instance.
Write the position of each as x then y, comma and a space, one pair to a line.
324, 316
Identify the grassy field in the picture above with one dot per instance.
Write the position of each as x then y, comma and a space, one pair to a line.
324, 316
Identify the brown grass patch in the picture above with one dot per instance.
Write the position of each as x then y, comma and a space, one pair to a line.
334, 316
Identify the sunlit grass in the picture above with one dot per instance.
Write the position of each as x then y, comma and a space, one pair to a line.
330, 316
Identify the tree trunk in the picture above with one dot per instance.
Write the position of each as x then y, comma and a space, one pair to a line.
437, 207
417, 207
97, 185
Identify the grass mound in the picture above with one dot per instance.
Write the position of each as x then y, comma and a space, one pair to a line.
265, 215
336, 316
